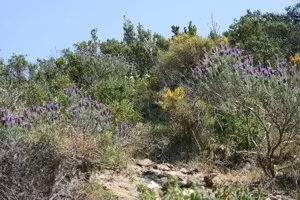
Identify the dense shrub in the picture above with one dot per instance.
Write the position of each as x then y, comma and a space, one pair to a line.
265, 95
10, 93
84, 70
28, 168
185, 52
232, 129
191, 113
34, 94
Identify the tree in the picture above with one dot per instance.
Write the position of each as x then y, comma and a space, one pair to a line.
267, 35
129, 36
16, 67
175, 30
191, 30
91, 47
112, 46
293, 13
161, 42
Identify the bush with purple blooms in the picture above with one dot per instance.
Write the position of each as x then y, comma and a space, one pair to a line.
83, 113
54, 145
267, 97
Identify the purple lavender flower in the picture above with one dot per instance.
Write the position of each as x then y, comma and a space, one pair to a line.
55, 106
264, 71
238, 52
26, 113
196, 69
54, 115
18, 119
49, 106
234, 67
26, 124
34, 107
83, 102
203, 69
222, 52
70, 90
279, 69
96, 105
254, 74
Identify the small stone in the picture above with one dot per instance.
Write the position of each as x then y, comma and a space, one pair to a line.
162, 167
184, 170
153, 185
144, 163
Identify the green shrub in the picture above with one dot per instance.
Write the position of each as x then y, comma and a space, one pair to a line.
232, 129
125, 96
35, 94
114, 89
145, 193
124, 111
10, 93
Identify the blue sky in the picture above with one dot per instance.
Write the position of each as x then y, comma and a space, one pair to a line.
41, 28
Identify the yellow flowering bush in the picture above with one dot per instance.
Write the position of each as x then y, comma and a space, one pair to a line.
223, 40
185, 51
171, 99
192, 116
295, 59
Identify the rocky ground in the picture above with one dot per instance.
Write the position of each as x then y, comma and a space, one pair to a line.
152, 175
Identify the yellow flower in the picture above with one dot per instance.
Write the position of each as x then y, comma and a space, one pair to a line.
108, 134
168, 93
179, 93
295, 59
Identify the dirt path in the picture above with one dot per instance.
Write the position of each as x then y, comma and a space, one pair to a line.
152, 175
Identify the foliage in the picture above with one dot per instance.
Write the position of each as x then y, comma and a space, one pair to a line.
237, 192
185, 52
190, 30
34, 94
124, 96
112, 47
266, 34
84, 70
16, 67
151, 96
145, 193
232, 129
124, 111
193, 115
28, 169
10, 94
267, 95
174, 189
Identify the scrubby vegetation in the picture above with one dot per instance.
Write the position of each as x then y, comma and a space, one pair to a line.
225, 100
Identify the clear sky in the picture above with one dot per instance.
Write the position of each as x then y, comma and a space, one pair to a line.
40, 28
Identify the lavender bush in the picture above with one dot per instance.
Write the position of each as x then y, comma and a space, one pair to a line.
264, 95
